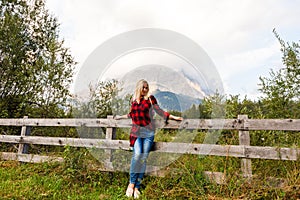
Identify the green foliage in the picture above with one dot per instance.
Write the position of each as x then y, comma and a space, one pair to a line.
105, 98
103, 101
74, 161
281, 90
184, 180
175, 112
35, 69
211, 107
220, 106
280, 94
235, 106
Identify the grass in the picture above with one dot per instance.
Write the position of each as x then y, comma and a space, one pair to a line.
79, 178
43, 181
74, 180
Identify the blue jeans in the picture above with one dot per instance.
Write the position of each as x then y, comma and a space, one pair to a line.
141, 149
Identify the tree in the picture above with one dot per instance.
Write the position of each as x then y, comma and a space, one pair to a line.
103, 100
192, 112
236, 106
213, 106
36, 70
281, 89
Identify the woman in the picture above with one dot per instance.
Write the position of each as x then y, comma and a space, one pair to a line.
142, 133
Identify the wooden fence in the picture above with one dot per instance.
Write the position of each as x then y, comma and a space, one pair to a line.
244, 150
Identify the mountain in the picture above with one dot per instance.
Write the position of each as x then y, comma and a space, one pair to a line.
173, 89
164, 79
171, 101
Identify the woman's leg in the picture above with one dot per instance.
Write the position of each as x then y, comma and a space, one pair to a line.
141, 149
135, 160
146, 146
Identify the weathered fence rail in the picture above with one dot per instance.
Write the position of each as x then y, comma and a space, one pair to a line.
242, 124
225, 124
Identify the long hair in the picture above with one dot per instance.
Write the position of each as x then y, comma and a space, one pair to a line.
138, 90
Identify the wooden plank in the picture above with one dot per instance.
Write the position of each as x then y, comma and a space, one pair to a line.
202, 124
109, 135
11, 122
274, 153
10, 138
25, 131
89, 122
273, 124
29, 157
110, 131
226, 124
199, 149
62, 141
181, 148
244, 139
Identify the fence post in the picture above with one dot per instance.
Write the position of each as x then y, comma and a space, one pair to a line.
110, 131
25, 131
110, 135
244, 139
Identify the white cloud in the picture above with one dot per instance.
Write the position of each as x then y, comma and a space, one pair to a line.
243, 61
237, 35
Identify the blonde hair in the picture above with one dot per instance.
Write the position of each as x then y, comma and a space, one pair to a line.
138, 90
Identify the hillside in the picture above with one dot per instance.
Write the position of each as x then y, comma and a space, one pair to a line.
178, 102
161, 78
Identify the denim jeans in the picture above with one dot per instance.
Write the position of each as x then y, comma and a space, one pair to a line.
141, 149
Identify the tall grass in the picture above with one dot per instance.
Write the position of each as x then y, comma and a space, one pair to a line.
79, 176
78, 179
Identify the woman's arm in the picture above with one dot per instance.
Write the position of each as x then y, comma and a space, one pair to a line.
161, 112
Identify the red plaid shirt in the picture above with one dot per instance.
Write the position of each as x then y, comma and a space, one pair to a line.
142, 115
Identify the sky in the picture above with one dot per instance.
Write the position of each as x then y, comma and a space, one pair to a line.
237, 35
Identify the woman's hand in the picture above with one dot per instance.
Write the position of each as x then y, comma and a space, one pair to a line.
175, 118
118, 117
